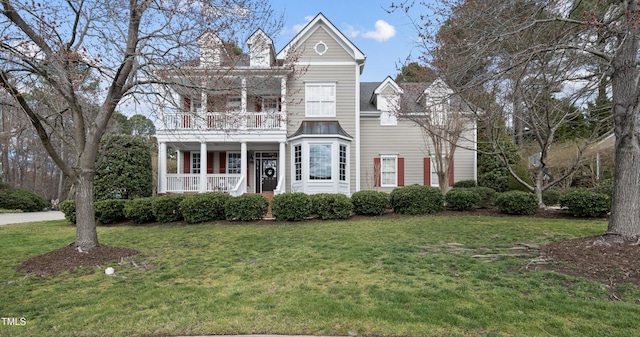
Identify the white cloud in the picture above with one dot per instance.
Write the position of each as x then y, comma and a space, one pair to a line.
384, 31
351, 31
298, 28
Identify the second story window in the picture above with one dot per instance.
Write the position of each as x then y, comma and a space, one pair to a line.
192, 103
320, 99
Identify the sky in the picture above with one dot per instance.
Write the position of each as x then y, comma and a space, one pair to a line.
386, 39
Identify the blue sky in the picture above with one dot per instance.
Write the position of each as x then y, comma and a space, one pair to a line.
386, 39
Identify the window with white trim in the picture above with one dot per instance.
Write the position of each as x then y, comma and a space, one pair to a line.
320, 99
389, 170
297, 161
195, 162
342, 170
234, 161
319, 161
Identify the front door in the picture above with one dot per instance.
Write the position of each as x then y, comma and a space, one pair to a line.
266, 171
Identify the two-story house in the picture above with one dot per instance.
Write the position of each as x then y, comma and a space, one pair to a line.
298, 120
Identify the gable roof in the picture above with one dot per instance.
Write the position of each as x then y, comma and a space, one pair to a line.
318, 22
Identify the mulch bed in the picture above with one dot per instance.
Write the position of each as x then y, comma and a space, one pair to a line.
589, 257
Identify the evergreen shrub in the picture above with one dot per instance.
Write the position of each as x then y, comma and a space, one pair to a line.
246, 207
416, 199
370, 202
291, 206
517, 203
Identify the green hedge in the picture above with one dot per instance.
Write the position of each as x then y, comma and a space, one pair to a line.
68, 207
416, 199
291, 206
247, 207
23, 200
517, 203
370, 202
110, 211
551, 197
167, 208
585, 203
204, 207
140, 210
331, 206
487, 196
462, 199
465, 184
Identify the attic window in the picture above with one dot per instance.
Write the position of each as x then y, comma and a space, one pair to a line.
320, 48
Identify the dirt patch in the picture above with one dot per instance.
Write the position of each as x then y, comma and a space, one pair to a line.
70, 259
595, 259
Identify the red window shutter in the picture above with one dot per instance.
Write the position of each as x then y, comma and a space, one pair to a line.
210, 162
248, 173
376, 171
400, 171
223, 162
427, 171
451, 178
186, 165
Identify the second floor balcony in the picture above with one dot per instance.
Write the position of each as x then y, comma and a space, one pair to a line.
224, 121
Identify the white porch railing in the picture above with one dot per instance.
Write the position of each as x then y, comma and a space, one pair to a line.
180, 183
280, 188
266, 120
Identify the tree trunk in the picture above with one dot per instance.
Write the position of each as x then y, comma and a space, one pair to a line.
625, 212
86, 233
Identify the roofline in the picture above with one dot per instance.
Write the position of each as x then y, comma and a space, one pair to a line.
358, 54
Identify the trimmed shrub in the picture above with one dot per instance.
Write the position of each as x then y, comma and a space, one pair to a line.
331, 206
140, 210
68, 207
605, 187
517, 203
167, 208
416, 199
585, 203
246, 207
23, 200
487, 196
370, 202
462, 199
204, 207
465, 183
551, 197
291, 206
110, 211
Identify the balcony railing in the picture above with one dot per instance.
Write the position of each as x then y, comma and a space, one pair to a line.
266, 120
190, 182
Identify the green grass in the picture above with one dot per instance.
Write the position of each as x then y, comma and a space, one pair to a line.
386, 277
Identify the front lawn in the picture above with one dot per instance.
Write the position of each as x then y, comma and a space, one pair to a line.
412, 276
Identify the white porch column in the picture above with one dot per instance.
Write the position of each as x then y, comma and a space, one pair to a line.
203, 167
283, 104
282, 166
243, 166
179, 160
243, 104
162, 168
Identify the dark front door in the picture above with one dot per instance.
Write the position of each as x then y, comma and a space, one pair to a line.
266, 171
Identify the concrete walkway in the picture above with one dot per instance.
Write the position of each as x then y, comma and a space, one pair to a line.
13, 218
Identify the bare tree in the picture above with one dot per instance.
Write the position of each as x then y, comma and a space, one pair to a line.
602, 34
119, 44
446, 120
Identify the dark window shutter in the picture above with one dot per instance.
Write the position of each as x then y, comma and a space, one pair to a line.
223, 162
210, 162
186, 165
400, 171
427, 171
377, 168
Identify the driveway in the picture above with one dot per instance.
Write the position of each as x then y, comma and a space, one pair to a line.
12, 218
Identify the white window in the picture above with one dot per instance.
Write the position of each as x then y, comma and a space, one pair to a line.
234, 104
389, 170
389, 105
195, 162
342, 170
320, 162
320, 99
438, 108
234, 163
297, 161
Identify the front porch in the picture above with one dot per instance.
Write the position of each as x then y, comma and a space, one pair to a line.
248, 167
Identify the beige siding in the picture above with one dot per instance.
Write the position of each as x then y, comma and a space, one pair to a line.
407, 141
343, 72
335, 52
